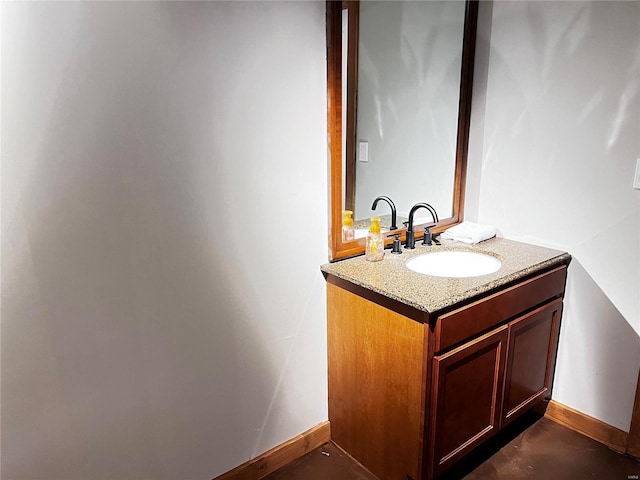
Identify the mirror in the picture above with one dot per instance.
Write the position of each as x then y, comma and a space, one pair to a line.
399, 77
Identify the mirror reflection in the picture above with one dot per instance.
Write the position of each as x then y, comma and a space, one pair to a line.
405, 93
399, 78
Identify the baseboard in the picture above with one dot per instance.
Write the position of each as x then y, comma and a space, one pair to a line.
261, 466
586, 425
279, 456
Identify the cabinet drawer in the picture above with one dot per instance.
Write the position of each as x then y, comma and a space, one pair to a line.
477, 317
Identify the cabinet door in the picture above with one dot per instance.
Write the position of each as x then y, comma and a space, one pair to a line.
533, 340
466, 395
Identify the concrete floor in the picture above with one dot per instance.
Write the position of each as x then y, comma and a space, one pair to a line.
533, 448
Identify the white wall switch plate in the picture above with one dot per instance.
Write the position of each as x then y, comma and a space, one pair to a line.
636, 178
363, 151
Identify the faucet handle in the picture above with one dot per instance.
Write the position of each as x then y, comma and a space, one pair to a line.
426, 239
395, 248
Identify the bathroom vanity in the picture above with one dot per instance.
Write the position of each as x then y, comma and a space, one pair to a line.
423, 369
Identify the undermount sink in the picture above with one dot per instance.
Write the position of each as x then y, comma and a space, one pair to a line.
454, 264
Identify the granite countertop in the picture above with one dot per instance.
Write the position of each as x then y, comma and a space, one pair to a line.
391, 278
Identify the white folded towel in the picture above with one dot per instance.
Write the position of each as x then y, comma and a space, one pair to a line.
469, 232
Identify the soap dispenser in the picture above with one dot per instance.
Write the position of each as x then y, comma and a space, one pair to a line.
348, 232
374, 251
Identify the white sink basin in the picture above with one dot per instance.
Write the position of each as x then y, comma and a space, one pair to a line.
454, 264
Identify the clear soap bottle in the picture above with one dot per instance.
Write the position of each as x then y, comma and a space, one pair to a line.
374, 251
348, 232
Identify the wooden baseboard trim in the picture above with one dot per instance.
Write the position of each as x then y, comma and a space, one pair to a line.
279, 456
586, 425
633, 440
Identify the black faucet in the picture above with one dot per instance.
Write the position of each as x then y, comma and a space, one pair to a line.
393, 210
411, 240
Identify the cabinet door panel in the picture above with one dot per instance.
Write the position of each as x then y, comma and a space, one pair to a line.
530, 359
467, 388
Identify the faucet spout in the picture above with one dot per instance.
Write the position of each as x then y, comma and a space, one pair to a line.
393, 210
411, 240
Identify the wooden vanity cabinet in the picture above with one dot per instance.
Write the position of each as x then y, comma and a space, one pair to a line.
484, 384
410, 395
376, 383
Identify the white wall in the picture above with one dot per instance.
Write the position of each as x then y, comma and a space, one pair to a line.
164, 219
555, 138
159, 322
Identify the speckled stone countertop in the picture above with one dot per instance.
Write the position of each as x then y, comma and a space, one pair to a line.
391, 278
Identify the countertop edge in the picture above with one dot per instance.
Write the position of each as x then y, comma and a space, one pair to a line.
464, 297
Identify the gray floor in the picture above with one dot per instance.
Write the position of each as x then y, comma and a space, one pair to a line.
534, 448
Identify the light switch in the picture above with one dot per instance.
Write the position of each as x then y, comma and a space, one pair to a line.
636, 178
363, 151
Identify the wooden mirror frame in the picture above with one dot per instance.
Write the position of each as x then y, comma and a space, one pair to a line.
337, 248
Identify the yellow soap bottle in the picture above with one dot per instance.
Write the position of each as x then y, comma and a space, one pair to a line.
348, 233
374, 251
